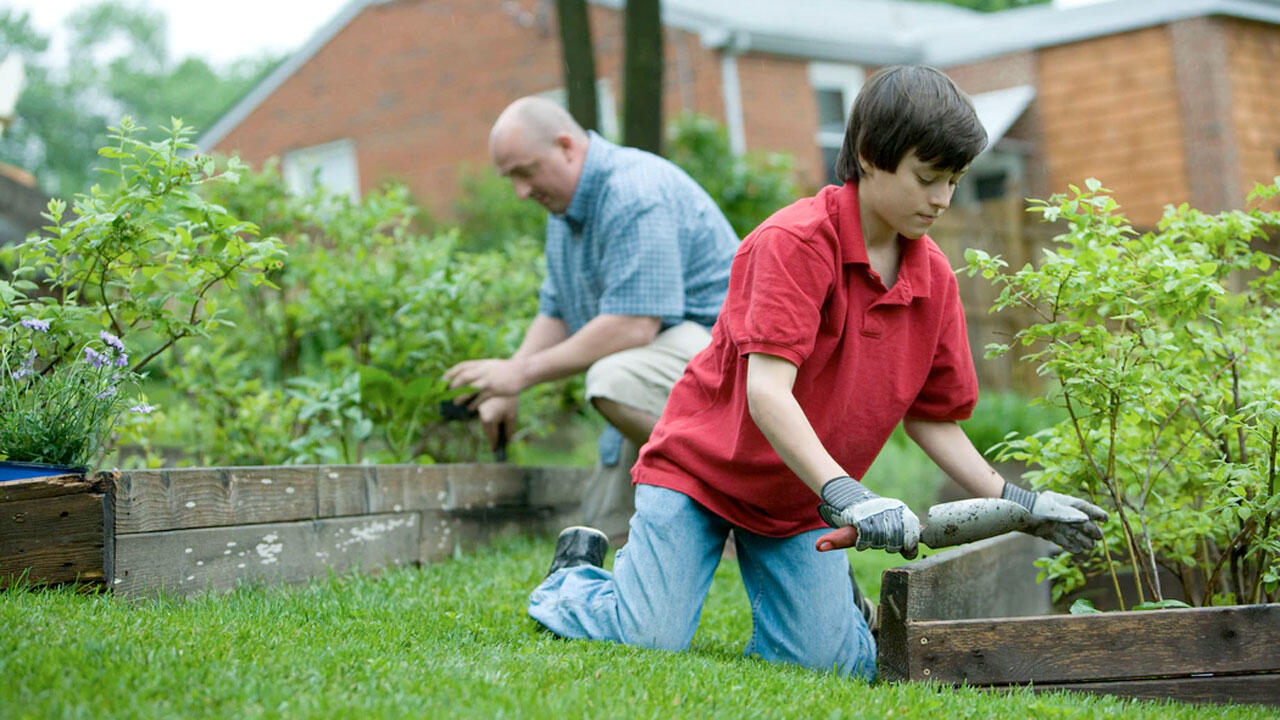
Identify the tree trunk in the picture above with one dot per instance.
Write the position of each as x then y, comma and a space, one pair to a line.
642, 89
579, 62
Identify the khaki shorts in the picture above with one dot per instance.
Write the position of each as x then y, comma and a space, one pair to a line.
642, 378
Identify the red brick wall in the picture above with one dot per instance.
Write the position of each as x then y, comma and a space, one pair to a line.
780, 111
416, 85
1006, 72
1110, 110
1253, 51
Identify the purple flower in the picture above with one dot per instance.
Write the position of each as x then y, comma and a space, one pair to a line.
122, 360
37, 325
21, 373
111, 340
95, 358
142, 409
106, 393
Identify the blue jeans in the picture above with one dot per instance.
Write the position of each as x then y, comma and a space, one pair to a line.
802, 609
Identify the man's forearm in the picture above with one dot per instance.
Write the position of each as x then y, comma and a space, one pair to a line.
544, 332
947, 445
603, 335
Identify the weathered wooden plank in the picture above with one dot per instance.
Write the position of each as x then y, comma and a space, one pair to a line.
343, 490
401, 488
1262, 689
1108, 646
449, 533
189, 561
438, 538
55, 539
54, 485
474, 486
155, 500
990, 578
557, 487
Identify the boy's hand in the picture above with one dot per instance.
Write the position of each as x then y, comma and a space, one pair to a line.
1069, 522
881, 523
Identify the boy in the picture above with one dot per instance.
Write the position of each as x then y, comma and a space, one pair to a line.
842, 320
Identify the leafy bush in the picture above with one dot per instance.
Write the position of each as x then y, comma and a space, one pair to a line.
137, 265
339, 359
1163, 348
748, 188
999, 414
490, 215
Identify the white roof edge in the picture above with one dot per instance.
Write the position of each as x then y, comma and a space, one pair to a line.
860, 51
1044, 26
272, 82
1000, 109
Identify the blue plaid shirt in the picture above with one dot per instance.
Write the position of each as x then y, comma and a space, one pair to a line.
639, 237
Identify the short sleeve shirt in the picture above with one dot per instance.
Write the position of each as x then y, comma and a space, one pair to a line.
801, 288
639, 237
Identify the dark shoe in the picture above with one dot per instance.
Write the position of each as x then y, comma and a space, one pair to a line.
579, 545
869, 611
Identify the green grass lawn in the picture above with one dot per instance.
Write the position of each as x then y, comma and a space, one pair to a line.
447, 640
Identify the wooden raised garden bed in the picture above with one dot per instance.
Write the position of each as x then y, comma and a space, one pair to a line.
188, 530
974, 615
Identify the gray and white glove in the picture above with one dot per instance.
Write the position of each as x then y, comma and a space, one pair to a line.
1068, 521
882, 523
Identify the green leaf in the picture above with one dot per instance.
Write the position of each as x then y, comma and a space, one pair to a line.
1160, 605
1082, 607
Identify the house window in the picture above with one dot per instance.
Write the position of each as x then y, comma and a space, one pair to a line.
606, 107
834, 86
331, 166
992, 175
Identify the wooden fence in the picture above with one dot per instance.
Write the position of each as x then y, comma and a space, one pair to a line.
1000, 227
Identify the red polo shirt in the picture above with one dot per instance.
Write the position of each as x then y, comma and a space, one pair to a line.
801, 288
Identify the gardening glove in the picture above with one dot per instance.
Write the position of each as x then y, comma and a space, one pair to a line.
882, 523
1068, 521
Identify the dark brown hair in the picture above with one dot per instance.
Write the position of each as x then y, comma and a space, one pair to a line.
905, 108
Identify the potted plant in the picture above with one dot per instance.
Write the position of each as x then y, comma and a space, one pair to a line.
59, 399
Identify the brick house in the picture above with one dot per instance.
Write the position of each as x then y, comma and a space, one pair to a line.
1164, 100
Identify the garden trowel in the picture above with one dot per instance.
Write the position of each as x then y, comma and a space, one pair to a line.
964, 521
951, 523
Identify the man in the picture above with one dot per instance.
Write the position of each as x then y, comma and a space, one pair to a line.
637, 266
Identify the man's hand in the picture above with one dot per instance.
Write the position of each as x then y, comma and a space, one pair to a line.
498, 412
880, 523
1069, 522
491, 377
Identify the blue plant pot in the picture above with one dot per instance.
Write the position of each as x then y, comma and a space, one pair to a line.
13, 470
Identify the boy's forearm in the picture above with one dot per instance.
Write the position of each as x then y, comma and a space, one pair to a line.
947, 445
776, 412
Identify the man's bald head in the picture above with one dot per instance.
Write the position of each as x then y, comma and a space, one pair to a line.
538, 120
540, 147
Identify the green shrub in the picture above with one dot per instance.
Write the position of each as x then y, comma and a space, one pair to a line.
1162, 351
748, 188
138, 265
998, 414
489, 215
339, 359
